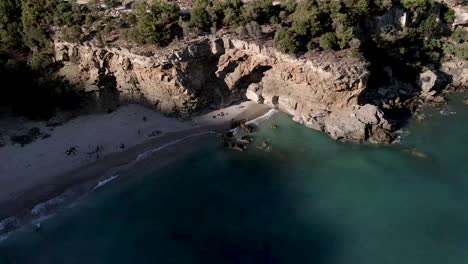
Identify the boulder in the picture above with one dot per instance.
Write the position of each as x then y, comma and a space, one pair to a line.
365, 123
253, 93
427, 81
342, 127
381, 135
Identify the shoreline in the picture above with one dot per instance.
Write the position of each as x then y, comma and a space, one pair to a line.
52, 193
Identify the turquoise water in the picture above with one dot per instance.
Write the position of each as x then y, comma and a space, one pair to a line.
310, 200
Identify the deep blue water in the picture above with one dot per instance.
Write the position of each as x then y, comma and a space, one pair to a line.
309, 200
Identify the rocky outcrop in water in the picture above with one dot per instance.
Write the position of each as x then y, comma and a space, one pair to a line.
320, 89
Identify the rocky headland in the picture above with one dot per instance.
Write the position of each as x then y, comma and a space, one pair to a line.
322, 90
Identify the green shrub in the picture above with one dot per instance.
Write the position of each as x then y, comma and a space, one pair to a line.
232, 12
72, 34
40, 60
344, 35
259, 11
457, 50
357, 7
287, 41
206, 13
63, 14
429, 27
461, 51
111, 3
154, 21
231, 17
416, 5
459, 35
10, 24
199, 16
343, 29
383, 5
274, 20
289, 5
306, 20
132, 19
328, 41
355, 44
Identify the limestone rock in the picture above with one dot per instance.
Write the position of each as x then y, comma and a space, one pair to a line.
427, 81
365, 123
457, 69
319, 89
254, 93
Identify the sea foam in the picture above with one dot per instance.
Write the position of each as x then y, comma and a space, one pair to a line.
266, 116
257, 120
105, 181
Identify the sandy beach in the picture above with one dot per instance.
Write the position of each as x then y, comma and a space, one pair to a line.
85, 148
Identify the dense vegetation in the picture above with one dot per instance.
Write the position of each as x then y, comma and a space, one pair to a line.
26, 52
154, 21
331, 24
299, 26
26, 27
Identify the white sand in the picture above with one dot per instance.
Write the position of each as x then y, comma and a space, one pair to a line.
24, 167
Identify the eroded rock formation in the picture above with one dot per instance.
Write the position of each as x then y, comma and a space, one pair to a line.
320, 90
457, 71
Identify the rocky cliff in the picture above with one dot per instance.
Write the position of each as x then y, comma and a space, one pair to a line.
320, 90
457, 71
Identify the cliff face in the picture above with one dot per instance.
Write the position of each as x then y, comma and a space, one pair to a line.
320, 90
457, 70
171, 82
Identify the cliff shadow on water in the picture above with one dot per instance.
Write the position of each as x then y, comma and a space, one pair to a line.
236, 223
246, 214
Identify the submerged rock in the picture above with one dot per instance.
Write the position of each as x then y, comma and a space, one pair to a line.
419, 154
245, 127
264, 146
245, 139
239, 144
236, 145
